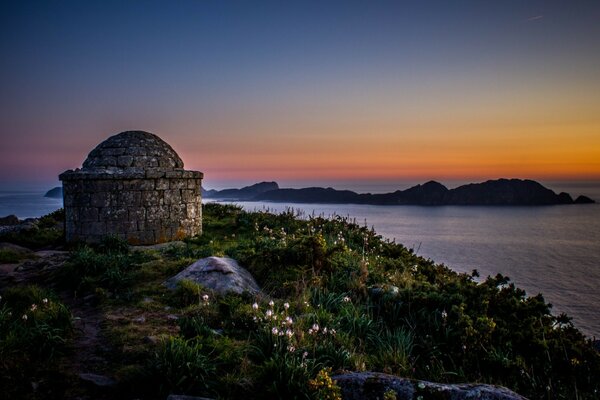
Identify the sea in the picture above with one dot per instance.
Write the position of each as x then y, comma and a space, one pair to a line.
553, 250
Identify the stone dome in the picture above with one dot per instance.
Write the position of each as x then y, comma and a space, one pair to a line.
133, 150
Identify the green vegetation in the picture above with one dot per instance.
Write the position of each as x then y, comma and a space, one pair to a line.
48, 232
34, 331
337, 297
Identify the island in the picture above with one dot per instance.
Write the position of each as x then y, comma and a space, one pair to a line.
55, 193
500, 192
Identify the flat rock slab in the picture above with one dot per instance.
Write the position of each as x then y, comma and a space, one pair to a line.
221, 274
98, 380
373, 385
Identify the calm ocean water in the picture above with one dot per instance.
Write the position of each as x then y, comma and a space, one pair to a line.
554, 250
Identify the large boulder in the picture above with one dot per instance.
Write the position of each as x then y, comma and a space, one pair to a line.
373, 385
220, 274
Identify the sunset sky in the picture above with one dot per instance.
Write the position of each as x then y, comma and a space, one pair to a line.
306, 91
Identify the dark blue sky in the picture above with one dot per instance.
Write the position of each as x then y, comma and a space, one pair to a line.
214, 75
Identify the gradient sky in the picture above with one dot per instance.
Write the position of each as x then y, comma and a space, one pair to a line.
311, 91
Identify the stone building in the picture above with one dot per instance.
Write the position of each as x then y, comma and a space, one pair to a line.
133, 186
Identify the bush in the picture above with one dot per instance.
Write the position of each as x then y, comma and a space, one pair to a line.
182, 366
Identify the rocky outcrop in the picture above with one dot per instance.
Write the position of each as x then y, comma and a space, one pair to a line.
26, 225
245, 193
373, 385
221, 274
9, 220
584, 200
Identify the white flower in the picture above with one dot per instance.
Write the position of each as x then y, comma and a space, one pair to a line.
205, 298
291, 349
289, 333
269, 313
305, 354
444, 314
346, 299
271, 303
255, 306
286, 305
310, 331
274, 317
325, 331
332, 331
289, 320
24, 317
274, 331
33, 307
45, 300
315, 327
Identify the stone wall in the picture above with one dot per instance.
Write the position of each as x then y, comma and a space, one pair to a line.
148, 207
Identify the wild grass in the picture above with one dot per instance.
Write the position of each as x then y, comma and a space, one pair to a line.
335, 295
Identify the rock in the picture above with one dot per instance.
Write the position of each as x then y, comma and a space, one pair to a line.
98, 380
185, 397
584, 200
372, 386
14, 248
220, 274
55, 193
9, 220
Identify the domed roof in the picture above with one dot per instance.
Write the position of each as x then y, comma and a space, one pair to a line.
133, 149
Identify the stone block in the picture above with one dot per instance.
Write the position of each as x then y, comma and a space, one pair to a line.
174, 174
178, 184
147, 184
132, 185
104, 185
118, 227
172, 196
155, 173
129, 198
154, 225
189, 196
155, 213
114, 151
178, 211
125, 161
99, 199
68, 199
151, 198
136, 213
88, 214
114, 214
192, 210
146, 237
162, 184
94, 228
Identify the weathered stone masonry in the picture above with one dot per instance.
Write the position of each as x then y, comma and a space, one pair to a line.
132, 185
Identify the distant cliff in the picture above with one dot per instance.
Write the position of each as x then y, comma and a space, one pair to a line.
55, 193
501, 192
245, 193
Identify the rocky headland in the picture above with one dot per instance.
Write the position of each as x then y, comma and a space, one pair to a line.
500, 192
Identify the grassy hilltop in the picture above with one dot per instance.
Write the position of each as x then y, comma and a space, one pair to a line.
337, 297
